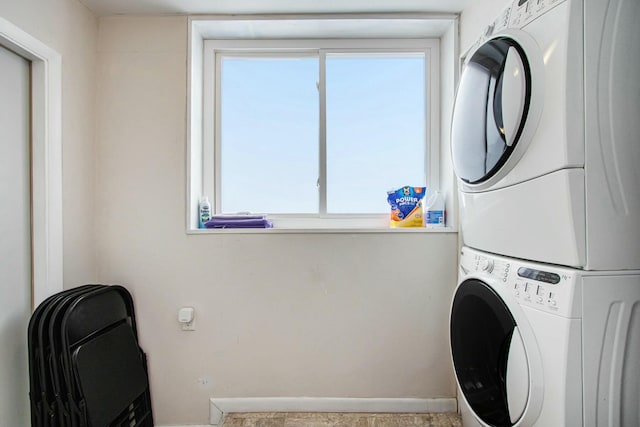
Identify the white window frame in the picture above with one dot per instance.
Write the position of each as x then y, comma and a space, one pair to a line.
211, 115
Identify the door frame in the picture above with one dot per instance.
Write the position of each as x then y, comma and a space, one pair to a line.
46, 158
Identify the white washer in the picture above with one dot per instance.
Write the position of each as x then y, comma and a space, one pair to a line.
538, 345
546, 134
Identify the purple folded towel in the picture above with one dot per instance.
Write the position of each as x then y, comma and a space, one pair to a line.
239, 223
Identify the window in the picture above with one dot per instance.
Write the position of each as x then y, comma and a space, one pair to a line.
315, 132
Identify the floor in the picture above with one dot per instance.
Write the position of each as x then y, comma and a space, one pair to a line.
297, 419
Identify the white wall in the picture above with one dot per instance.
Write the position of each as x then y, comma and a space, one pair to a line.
319, 315
71, 29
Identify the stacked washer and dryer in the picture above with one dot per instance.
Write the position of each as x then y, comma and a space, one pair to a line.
545, 321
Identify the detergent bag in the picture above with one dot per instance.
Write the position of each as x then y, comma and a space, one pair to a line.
406, 206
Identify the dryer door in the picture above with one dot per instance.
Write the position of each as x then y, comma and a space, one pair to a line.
489, 355
490, 110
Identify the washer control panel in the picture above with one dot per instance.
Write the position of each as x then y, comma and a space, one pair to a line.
544, 287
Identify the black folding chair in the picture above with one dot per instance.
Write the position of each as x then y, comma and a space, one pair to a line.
86, 366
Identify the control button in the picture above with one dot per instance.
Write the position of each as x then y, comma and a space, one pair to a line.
489, 30
552, 302
539, 300
517, 293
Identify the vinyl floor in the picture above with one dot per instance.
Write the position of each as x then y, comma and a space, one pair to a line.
297, 419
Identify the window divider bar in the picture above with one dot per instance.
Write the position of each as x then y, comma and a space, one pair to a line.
217, 114
322, 158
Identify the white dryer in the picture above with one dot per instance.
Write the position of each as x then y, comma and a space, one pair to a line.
546, 134
539, 345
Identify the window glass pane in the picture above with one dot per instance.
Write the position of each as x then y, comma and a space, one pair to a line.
375, 129
269, 135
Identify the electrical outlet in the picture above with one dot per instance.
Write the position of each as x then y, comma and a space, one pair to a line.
187, 318
189, 326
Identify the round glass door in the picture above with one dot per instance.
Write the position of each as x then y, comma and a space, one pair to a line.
491, 109
488, 355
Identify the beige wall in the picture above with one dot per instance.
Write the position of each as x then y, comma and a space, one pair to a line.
70, 29
319, 315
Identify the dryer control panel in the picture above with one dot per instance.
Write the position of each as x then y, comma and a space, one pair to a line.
516, 15
525, 11
543, 287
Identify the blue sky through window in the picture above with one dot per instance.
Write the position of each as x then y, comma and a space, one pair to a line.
269, 114
375, 129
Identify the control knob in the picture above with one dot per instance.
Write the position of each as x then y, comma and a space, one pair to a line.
486, 265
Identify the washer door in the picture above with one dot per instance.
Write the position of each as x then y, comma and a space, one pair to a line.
489, 355
490, 110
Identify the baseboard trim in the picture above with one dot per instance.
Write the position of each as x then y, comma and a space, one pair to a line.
184, 425
220, 406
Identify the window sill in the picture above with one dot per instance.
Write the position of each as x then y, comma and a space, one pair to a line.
319, 230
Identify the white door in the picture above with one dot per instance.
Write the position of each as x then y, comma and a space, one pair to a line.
15, 237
